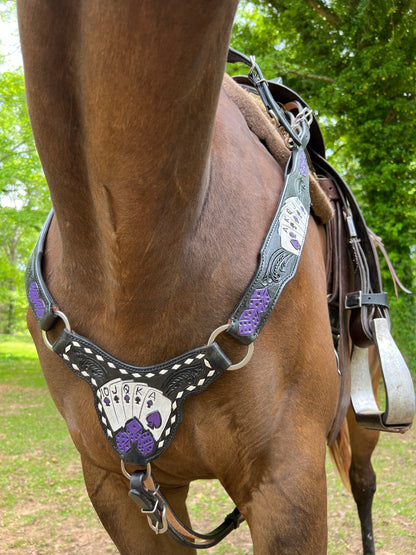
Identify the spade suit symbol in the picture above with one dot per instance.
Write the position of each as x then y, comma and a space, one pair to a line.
154, 420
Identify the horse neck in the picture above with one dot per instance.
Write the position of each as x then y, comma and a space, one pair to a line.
122, 98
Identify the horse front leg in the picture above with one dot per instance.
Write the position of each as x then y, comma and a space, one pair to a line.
122, 518
287, 508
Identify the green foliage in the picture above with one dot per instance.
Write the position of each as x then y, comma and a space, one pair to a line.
24, 198
354, 63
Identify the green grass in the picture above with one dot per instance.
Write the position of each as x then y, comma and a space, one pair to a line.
44, 508
18, 362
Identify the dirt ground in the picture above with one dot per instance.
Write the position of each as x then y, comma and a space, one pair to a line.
45, 536
35, 528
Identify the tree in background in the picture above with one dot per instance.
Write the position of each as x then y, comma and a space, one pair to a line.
24, 198
354, 63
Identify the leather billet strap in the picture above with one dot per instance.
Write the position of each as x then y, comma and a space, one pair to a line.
357, 299
337, 270
367, 300
146, 493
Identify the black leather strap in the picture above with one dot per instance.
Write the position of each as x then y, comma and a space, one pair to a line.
262, 86
280, 253
357, 299
146, 493
41, 302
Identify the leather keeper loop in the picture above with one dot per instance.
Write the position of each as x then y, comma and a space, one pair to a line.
357, 299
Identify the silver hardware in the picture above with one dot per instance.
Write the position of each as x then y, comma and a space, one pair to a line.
253, 65
128, 475
65, 320
155, 527
398, 385
351, 226
357, 304
124, 471
338, 363
305, 115
245, 360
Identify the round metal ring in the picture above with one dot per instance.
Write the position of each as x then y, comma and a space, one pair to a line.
65, 320
128, 475
124, 471
245, 360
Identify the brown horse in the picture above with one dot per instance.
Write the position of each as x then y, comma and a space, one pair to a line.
162, 198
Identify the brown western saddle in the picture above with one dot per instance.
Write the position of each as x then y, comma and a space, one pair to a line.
358, 306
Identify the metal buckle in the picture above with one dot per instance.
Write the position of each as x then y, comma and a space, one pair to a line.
351, 227
305, 115
155, 524
358, 304
158, 526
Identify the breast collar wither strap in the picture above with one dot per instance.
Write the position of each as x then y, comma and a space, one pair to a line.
140, 408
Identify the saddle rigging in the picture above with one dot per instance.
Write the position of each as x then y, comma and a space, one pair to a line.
140, 408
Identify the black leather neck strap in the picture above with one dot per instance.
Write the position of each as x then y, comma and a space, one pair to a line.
281, 250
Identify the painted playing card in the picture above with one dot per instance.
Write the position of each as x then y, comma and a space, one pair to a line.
155, 412
293, 222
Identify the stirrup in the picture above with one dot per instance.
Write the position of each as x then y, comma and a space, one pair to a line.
398, 384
